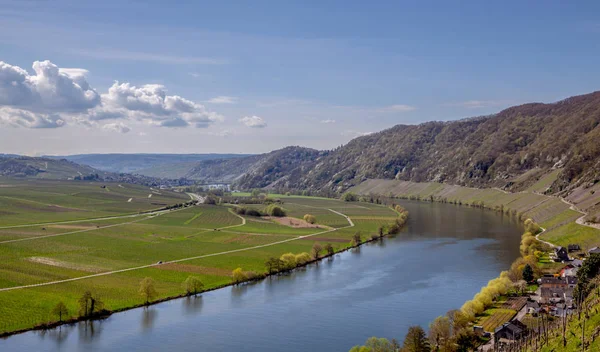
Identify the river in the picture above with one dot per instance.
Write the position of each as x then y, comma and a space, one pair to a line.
443, 256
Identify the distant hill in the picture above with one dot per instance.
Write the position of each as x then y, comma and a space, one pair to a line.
23, 166
152, 164
557, 144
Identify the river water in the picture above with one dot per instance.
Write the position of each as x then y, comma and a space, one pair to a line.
444, 255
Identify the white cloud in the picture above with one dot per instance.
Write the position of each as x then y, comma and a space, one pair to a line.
398, 108
253, 121
117, 127
151, 103
327, 121
74, 72
222, 99
52, 96
47, 91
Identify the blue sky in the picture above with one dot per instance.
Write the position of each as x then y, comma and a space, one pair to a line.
259, 75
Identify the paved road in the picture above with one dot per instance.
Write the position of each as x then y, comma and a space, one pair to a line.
351, 224
197, 197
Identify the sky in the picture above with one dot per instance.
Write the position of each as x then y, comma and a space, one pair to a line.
253, 76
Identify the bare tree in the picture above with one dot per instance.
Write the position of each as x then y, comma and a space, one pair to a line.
61, 310
316, 250
147, 289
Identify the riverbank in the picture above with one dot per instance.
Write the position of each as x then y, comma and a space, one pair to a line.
558, 216
561, 225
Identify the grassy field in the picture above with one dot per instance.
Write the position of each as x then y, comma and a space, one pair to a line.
110, 257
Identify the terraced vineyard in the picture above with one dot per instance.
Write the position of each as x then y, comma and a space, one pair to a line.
99, 242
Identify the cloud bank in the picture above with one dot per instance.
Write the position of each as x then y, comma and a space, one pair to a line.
53, 97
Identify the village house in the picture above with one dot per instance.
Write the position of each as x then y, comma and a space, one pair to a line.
551, 281
512, 331
571, 281
533, 307
561, 254
569, 270
594, 250
573, 248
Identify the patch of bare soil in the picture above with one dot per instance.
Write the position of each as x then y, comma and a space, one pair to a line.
194, 269
61, 264
292, 222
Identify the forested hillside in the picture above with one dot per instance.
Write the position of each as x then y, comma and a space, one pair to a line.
511, 149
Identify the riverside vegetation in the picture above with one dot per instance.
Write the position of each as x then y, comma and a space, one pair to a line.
454, 331
84, 250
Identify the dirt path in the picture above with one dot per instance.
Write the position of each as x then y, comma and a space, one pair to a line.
581, 219
351, 224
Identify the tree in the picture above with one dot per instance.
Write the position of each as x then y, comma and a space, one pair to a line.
147, 289
416, 340
349, 197
255, 192
356, 239
210, 200
310, 218
193, 285
238, 275
303, 258
465, 341
274, 265
289, 260
440, 333
275, 210
88, 304
380, 231
528, 273
329, 249
61, 310
316, 250
375, 344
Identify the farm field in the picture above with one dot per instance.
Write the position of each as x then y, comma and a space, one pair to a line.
48, 261
502, 311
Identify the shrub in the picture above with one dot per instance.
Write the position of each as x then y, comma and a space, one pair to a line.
289, 260
275, 210
303, 258
349, 197
310, 218
253, 212
329, 249
238, 275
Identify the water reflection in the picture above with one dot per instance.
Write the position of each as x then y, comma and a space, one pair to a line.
148, 318
90, 330
192, 305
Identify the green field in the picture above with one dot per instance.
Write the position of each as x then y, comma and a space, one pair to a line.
71, 237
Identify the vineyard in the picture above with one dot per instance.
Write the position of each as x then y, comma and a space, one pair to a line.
97, 243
